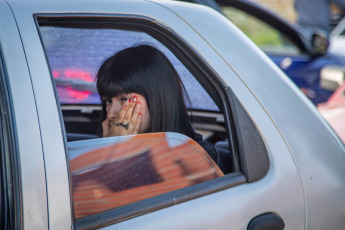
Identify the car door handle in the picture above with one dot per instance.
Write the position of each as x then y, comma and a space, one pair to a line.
268, 221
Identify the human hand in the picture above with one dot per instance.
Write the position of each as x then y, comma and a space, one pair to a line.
126, 122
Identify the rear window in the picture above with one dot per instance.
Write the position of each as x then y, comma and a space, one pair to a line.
113, 172
75, 56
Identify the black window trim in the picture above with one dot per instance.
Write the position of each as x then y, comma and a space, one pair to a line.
198, 67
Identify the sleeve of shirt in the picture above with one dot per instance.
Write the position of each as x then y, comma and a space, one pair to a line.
212, 152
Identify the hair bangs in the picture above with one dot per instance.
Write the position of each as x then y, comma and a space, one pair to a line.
109, 88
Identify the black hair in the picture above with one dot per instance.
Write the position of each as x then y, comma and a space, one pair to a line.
145, 70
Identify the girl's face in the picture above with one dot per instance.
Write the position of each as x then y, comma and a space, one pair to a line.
114, 105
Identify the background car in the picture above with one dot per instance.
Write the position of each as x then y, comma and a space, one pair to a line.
285, 44
285, 168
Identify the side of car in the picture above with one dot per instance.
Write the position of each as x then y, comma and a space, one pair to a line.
270, 156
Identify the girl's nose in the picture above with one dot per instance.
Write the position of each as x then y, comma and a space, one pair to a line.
112, 110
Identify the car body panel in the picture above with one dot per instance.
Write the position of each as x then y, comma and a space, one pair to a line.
32, 171
303, 183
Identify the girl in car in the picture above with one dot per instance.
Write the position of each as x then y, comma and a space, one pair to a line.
142, 93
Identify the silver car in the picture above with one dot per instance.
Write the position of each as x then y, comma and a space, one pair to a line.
283, 164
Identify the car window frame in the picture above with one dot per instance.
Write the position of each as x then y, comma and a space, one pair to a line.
206, 77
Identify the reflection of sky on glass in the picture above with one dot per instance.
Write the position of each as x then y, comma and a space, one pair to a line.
77, 148
84, 50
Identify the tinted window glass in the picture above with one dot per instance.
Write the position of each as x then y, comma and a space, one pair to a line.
76, 54
112, 172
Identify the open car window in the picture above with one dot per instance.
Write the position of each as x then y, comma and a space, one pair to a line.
75, 56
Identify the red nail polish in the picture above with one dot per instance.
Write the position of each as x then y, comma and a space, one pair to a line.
129, 100
134, 98
139, 102
140, 114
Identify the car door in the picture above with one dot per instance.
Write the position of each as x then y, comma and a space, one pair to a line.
264, 182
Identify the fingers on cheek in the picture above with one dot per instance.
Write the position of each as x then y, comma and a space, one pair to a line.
122, 113
130, 108
134, 102
132, 105
137, 107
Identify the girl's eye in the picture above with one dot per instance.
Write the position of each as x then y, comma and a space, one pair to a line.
124, 99
107, 101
